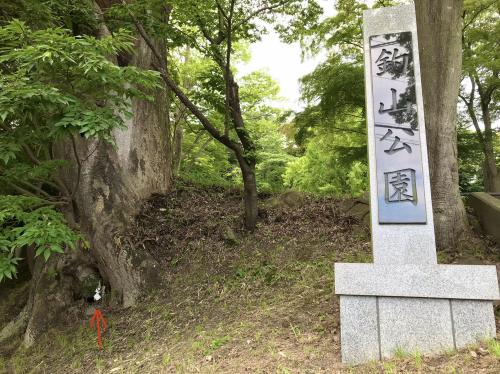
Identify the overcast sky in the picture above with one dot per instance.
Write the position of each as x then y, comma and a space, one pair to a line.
284, 63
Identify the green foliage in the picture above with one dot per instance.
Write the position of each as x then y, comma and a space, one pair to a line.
215, 34
264, 123
481, 34
325, 169
331, 129
470, 161
27, 221
58, 83
337, 85
54, 86
480, 89
343, 31
206, 161
335, 94
78, 16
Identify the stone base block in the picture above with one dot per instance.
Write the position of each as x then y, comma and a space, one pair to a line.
472, 320
359, 329
374, 327
464, 282
414, 325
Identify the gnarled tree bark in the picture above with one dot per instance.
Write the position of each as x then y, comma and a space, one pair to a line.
108, 184
115, 180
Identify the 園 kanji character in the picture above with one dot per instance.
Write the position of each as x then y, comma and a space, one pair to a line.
400, 185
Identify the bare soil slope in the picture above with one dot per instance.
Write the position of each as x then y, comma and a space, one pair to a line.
234, 302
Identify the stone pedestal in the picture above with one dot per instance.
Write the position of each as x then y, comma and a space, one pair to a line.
413, 308
404, 301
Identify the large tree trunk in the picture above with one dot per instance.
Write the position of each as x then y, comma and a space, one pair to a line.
439, 36
114, 180
491, 175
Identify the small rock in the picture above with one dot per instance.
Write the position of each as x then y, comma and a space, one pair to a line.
482, 351
209, 358
292, 199
229, 236
473, 354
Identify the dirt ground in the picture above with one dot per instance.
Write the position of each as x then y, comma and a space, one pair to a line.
233, 302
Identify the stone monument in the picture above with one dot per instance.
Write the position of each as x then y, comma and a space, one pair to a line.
404, 301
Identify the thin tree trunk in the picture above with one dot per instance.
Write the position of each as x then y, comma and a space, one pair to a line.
439, 35
491, 174
250, 194
245, 149
177, 149
180, 117
491, 180
247, 164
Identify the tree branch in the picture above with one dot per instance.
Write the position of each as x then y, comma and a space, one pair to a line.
60, 184
79, 167
227, 70
25, 192
258, 11
475, 15
357, 45
205, 122
35, 188
31, 155
204, 31
221, 9
348, 130
194, 156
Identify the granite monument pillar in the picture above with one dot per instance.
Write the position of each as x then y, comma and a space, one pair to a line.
404, 301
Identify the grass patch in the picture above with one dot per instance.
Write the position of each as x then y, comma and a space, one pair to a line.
217, 343
166, 359
494, 347
389, 367
400, 353
418, 360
